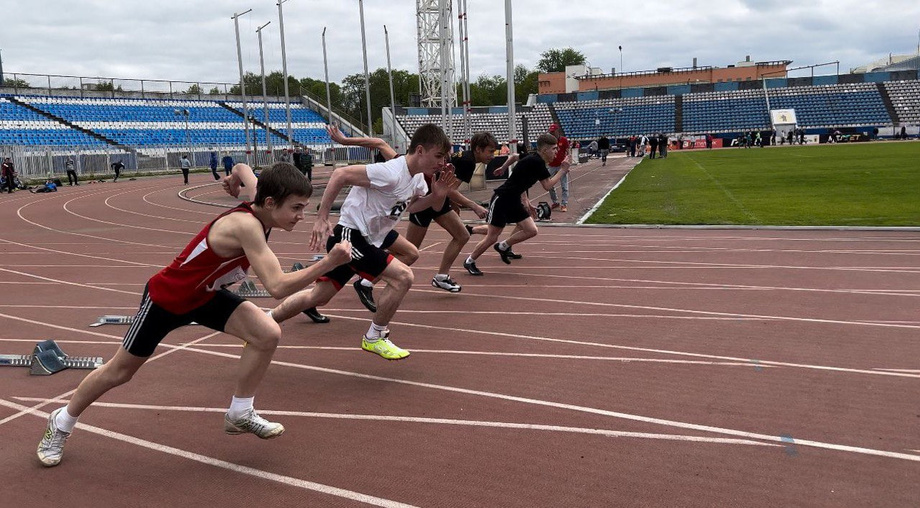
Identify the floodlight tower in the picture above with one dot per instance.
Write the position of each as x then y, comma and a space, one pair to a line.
436, 57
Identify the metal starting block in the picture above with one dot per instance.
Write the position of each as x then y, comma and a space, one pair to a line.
113, 320
47, 358
248, 289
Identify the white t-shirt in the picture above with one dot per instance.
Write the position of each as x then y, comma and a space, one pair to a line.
375, 210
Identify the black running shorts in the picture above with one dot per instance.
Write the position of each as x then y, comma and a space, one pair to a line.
153, 323
505, 209
367, 260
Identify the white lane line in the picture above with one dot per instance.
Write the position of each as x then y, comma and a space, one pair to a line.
591, 410
230, 466
71, 253
197, 222
82, 235
168, 352
59, 281
621, 359
122, 224
911, 371
689, 311
567, 341
434, 421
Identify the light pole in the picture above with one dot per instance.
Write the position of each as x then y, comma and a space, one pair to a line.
326, 70
392, 96
268, 134
185, 113
239, 56
287, 97
367, 79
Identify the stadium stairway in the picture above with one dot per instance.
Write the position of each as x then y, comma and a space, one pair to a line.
552, 112
74, 126
678, 113
259, 123
889, 105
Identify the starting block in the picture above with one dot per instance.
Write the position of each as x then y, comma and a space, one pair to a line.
248, 289
113, 320
47, 358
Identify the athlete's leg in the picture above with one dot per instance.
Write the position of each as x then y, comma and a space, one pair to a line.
398, 277
318, 296
262, 335
459, 237
117, 371
524, 230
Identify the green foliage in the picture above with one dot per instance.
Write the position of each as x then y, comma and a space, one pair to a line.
16, 83
214, 91
839, 185
195, 89
555, 60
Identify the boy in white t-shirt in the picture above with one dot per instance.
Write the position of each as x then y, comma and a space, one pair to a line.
379, 196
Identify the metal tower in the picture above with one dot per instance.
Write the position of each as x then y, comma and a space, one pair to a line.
436, 55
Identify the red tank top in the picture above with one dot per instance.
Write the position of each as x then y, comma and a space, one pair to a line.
192, 278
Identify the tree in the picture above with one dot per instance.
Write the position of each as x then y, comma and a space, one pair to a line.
16, 83
214, 91
555, 60
195, 89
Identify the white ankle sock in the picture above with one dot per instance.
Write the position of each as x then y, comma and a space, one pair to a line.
469, 259
239, 406
441, 276
503, 246
64, 421
375, 332
366, 283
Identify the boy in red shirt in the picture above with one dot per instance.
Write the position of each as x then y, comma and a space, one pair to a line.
562, 155
193, 289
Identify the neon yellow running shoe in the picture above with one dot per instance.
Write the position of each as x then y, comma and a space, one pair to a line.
384, 347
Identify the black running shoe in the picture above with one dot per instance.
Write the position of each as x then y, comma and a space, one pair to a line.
511, 255
314, 314
366, 295
503, 254
471, 267
469, 229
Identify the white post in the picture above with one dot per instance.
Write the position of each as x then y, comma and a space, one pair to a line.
392, 95
239, 57
287, 96
509, 49
268, 134
367, 79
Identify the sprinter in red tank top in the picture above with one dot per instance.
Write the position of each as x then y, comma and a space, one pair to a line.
192, 289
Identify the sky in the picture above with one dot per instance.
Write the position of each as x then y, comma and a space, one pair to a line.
194, 40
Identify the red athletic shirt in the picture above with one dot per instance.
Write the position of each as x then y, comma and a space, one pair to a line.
562, 151
192, 278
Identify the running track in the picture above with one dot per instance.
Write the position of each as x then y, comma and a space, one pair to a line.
609, 367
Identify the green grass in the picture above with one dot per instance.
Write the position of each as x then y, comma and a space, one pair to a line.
875, 184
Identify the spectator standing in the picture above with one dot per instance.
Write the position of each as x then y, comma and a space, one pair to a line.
562, 154
663, 146
71, 172
603, 148
9, 174
185, 165
653, 143
227, 161
213, 163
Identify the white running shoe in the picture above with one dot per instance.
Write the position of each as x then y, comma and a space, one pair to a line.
51, 447
447, 284
252, 423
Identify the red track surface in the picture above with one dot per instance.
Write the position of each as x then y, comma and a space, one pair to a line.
609, 367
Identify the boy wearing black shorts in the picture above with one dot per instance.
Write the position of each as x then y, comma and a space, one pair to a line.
482, 150
511, 204
193, 289
379, 195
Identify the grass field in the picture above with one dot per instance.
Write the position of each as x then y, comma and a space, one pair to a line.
871, 184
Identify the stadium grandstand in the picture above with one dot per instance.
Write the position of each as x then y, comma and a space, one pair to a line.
148, 133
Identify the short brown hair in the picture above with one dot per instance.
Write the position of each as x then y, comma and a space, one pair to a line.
483, 140
279, 181
546, 140
429, 136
